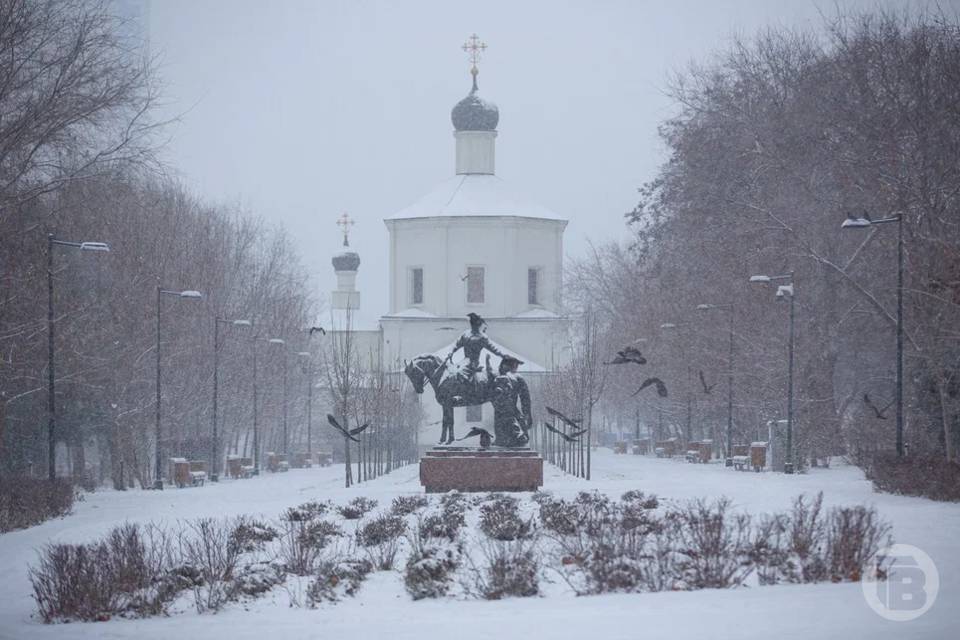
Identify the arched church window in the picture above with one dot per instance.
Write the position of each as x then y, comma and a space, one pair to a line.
416, 285
475, 292
533, 285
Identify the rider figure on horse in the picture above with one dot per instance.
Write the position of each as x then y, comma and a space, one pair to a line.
473, 342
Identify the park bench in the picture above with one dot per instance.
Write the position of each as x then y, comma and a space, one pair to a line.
198, 472
324, 458
620, 446
641, 447
246, 467
670, 447
301, 460
741, 457
233, 466
277, 462
660, 452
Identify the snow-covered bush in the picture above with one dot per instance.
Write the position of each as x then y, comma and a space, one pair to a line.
206, 546
380, 538
302, 537
430, 568
306, 511
337, 577
256, 578
251, 535
357, 508
602, 545
558, 516
510, 569
405, 505
501, 520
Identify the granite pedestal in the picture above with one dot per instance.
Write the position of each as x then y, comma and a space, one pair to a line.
471, 469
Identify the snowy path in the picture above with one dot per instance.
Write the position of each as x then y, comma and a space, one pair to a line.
383, 609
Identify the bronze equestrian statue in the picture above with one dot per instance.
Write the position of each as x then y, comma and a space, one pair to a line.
467, 384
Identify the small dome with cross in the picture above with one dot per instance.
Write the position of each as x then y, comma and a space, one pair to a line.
346, 261
473, 113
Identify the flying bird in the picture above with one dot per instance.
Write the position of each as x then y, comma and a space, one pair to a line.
314, 330
569, 437
628, 354
880, 413
346, 433
661, 387
485, 437
568, 421
703, 380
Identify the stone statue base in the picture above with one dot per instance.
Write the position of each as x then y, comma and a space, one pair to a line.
470, 469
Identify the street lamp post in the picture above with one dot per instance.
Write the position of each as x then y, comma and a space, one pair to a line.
51, 397
728, 307
214, 448
854, 222
282, 343
785, 292
669, 326
308, 370
187, 295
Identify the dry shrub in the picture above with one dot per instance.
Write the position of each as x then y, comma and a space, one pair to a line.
302, 538
511, 569
380, 538
712, 542
357, 508
854, 535
25, 502
123, 573
430, 568
405, 505
500, 519
915, 475
337, 577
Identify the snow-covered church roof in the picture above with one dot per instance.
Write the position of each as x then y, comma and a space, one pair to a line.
474, 194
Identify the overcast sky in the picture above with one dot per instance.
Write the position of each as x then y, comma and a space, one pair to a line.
304, 110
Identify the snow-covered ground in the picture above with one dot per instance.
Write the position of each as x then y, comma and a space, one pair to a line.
383, 609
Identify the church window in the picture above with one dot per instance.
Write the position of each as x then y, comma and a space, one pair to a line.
475, 413
475, 285
416, 285
533, 285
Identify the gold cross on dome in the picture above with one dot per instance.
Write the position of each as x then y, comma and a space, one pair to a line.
345, 222
474, 48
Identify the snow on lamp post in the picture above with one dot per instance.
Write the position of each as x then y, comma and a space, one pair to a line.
728, 307
863, 222
214, 444
785, 292
184, 295
51, 397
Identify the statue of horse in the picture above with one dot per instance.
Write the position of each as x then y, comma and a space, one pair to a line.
450, 386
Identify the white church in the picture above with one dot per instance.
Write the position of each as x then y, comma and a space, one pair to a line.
469, 245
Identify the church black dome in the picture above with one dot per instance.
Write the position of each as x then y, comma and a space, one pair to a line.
473, 113
346, 261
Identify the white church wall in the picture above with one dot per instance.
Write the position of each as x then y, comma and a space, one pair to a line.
506, 247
